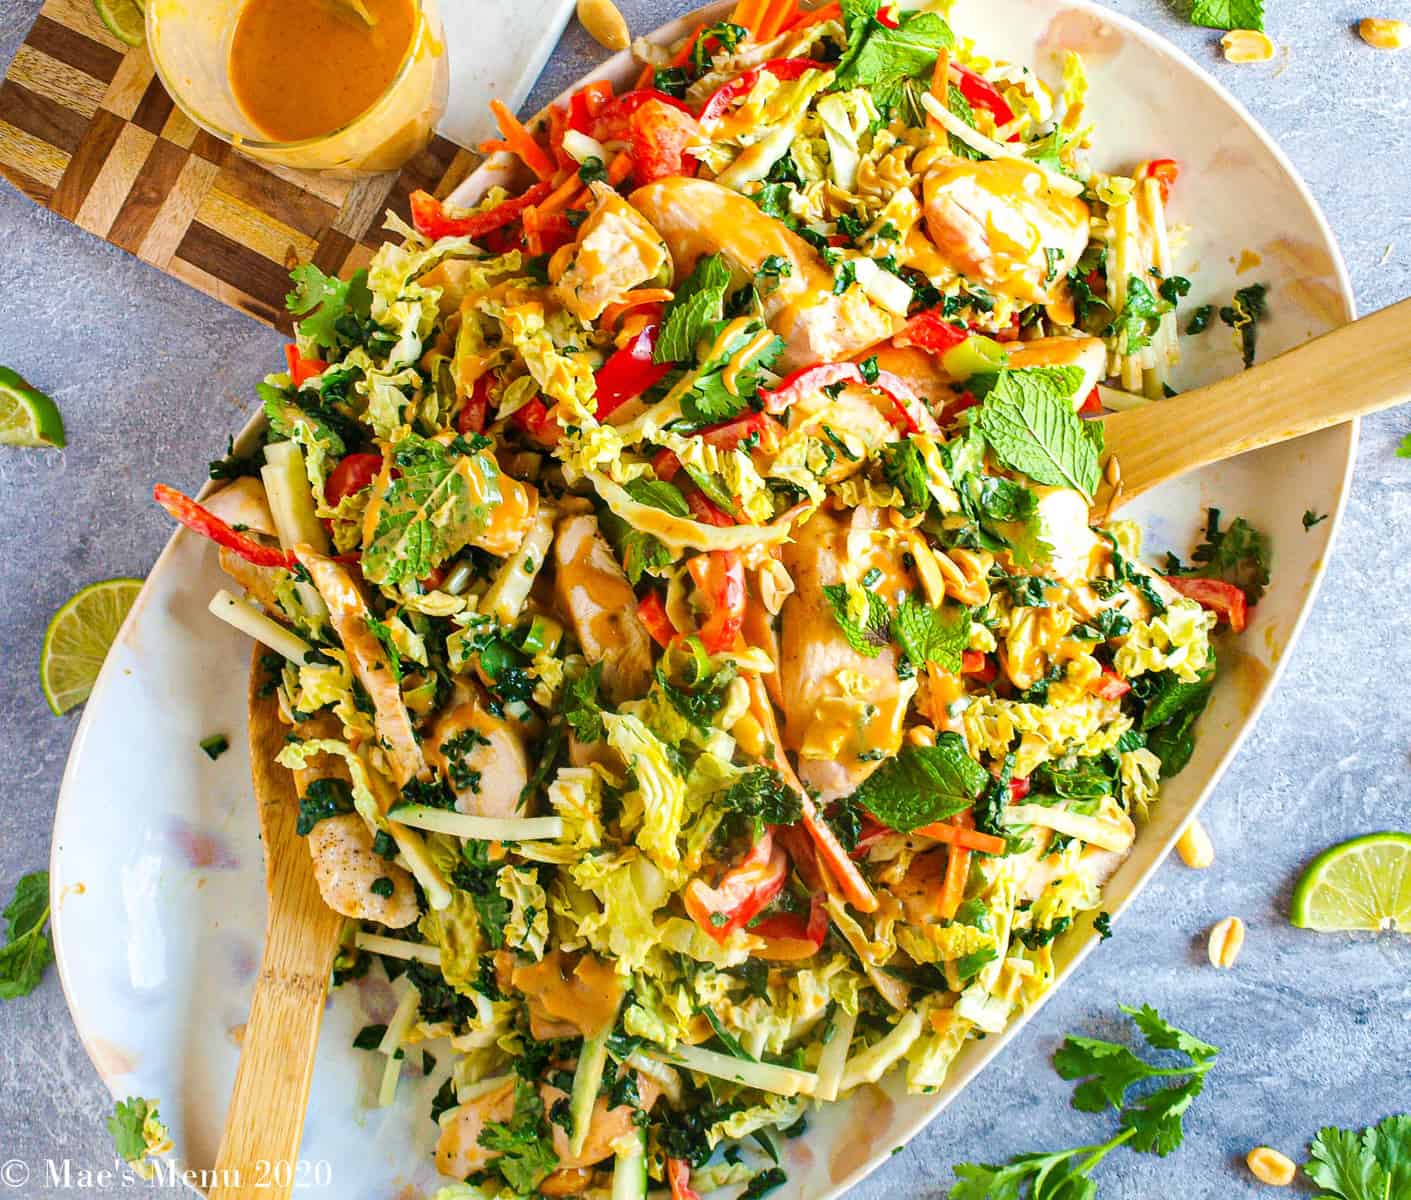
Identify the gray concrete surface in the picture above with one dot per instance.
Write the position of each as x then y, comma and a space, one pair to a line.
150, 375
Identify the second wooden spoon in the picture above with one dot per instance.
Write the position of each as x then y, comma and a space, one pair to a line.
1360, 368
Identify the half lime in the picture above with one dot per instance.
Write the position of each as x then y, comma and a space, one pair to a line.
78, 639
1361, 884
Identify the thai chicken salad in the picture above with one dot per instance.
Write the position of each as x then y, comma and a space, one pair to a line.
708, 689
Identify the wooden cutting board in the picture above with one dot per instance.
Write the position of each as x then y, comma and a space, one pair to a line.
87, 131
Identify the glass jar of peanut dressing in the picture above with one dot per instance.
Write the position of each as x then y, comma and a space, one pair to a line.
352, 87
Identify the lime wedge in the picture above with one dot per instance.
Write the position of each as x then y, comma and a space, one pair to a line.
124, 20
1361, 884
77, 641
27, 416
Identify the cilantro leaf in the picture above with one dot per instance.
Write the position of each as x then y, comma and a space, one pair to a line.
1228, 14
1141, 313
526, 1147
1403, 449
1311, 518
1243, 314
137, 1132
439, 502
762, 793
1030, 424
637, 551
709, 401
28, 948
697, 304
324, 798
1372, 1165
932, 635
1239, 554
480, 877
923, 784
869, 637
581, 706
326, 302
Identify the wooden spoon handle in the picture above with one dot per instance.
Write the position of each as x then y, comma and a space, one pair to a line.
259, 1149
1360, 368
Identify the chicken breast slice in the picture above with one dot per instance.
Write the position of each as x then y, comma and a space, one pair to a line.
594, 594
697, 217
617, 250
840, 707
483, 757
349, 614
1000, 224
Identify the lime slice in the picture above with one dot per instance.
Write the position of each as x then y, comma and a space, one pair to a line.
1361, 884
27, 416
124, 20
77, 641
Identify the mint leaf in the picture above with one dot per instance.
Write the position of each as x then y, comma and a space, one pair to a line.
960, 107
698, 303
657, 493
923, 784
932, 635
868, 638
878, 56
1228, 14
431, 511
324, 301
28, 949
1030, 424
637, 551
1403, 449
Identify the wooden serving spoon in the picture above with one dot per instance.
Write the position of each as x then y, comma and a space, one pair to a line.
1360, 368
259, 1149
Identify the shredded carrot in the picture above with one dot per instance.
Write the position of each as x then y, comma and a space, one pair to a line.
957, 872
647, 75
965, 838
748, 13
521, 141
777, 15
940, 85
683, 55
562, 194
530, 219
829, 12
612, 314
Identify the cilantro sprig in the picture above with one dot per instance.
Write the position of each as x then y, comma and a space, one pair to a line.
1372, 1165
1228, 14
1106, 1072
28, 949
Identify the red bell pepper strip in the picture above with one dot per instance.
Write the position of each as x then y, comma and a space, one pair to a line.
706, 511
798, 846
629, 372
475, 412
1111, 686
1165, 171
812, 928
982, 666
887, 19
612, 121
652, 613
586, 103
742, 894
666, 465
728, 435
1225, 600
911, 412
721, 576
429, 217
678, 1175
302, 369
981, 93
1092, 405
930, 331
1018, 788
207, 524
538, 422
741, 86
350, 476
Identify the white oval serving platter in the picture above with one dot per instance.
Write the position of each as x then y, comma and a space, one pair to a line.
156, 870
